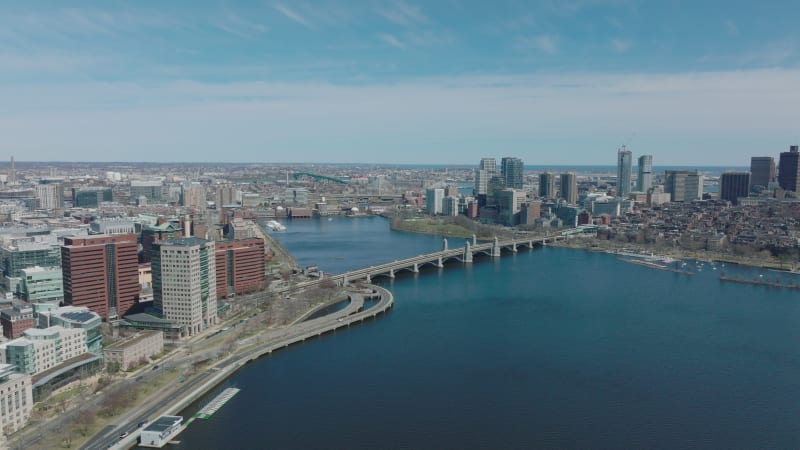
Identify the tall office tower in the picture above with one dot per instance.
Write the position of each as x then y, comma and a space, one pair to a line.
683, 186
789, 170
569, 187
12, 173
762, 171
185, 283
50, 195
624, 161
547, 185
101, 273
734, 185
433, 200
511, 170
240, 266
645, 179
485, 171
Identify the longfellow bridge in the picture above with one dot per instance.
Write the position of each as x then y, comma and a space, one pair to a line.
463, 254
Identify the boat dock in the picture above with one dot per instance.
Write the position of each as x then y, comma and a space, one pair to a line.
214, 405
654, 265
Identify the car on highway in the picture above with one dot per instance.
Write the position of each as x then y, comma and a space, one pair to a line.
124, 435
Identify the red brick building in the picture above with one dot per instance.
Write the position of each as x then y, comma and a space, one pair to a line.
240, 266
101, 273
17, 320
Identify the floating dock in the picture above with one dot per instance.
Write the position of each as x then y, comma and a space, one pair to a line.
214, 405
657, 266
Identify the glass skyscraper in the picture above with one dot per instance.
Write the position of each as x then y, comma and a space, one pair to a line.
624, 158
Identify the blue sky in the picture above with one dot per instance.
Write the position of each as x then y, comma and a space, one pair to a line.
446, 81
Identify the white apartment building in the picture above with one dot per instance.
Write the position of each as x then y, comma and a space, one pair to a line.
16, 399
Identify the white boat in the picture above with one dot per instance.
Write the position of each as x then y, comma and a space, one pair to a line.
275, 226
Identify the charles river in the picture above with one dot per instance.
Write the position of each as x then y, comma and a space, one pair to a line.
554, 348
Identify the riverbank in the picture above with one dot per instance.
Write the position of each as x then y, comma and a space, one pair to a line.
598, 245
445, 227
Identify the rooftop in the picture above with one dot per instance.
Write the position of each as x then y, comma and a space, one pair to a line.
185, 242
164, 423
133, 340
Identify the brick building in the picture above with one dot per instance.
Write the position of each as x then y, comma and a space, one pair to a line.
240, 266
101, 273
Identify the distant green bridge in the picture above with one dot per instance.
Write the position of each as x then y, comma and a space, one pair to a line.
318, 177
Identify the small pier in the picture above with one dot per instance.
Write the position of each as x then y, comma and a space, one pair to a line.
214, 405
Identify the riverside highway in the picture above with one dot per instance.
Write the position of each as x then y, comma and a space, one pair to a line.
173, 401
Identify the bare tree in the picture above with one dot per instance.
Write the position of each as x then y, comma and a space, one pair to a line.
84, 420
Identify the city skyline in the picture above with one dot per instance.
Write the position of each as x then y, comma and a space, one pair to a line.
397, 82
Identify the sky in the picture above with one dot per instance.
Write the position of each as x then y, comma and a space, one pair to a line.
396, 81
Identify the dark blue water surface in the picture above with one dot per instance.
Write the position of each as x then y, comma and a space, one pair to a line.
553, 348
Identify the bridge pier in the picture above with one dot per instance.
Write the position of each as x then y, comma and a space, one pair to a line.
496, 248
514, 247
474, 240
444, 244
391, 273
439, 263
467, 258
369, 279
416, 268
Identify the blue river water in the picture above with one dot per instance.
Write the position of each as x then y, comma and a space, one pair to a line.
552, 348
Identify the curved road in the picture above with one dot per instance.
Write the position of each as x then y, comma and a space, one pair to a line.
171, 402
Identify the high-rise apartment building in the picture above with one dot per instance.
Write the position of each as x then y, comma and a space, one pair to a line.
789, 170
624, 163
485, 171
101, 273
645, 179
762, 171
450, 206
226, 195
50, 195
239, 266
511, 169
569, 187
683, 185
433, 200
193, 196
734, 185
547, 185
185, 282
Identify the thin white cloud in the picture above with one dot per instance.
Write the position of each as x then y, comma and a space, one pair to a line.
391, 40
621, 45
66, 22
731, 28
234, 24
292, 15
405, 14
546, 43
